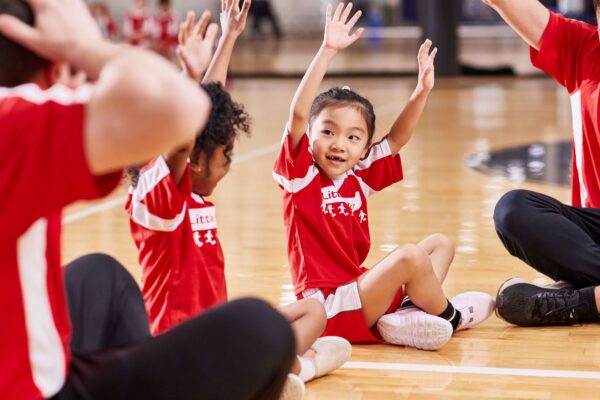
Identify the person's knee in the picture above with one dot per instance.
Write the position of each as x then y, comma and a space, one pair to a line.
442, 242
509, 213
316, 310
412, 258
98, 270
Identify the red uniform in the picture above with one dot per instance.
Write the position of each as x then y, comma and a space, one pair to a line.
107, 26
138, 28
167, 30
570, 53
43, 170
328, 229
175, 231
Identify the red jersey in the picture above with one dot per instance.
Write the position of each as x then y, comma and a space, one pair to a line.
167, 31
107, 26
43, 169
570, 53
326, 220
175, 232
138, 28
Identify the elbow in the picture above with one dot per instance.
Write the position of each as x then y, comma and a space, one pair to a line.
187, 113
181, 110
297, 116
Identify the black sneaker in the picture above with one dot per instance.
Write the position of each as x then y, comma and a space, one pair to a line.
525, 304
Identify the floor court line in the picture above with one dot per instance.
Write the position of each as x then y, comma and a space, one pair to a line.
453, 369
247, 156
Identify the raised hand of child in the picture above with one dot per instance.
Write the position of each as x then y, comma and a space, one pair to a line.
426, 67
196, 42
64, 30
233, 20
338, 27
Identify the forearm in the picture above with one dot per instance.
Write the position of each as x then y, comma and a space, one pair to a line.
141, 107
93, 58
528, 18
217, 70
308, 89
407, 121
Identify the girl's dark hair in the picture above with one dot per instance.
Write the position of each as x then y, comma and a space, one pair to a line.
344, 97
18, 65
227, 120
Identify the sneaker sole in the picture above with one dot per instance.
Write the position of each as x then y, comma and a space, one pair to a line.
421, 333
344, 351
293, 388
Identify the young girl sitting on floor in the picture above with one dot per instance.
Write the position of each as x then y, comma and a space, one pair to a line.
327, 172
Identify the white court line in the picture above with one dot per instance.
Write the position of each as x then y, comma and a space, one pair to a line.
250, 155
121, 200
452, 369
94, 209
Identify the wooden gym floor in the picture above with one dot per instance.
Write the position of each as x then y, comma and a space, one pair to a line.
440, 193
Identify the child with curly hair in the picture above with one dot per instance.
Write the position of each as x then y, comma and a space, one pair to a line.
175, 228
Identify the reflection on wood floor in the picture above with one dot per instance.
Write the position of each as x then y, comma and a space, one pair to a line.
439, 194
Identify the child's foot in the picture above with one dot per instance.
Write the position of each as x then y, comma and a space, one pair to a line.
475, 307
293, 388
328, 354
415, 328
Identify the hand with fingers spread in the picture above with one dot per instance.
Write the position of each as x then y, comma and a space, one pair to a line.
426, 60
338, 27
233, 19
63, 31
196, 42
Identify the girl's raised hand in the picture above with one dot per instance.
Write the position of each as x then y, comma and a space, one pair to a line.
233, 20
426, 66
338, 27
196, 42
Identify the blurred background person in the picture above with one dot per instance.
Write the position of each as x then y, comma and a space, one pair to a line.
138, 25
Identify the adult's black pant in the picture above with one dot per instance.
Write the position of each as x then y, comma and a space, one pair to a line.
560, 241
242, 350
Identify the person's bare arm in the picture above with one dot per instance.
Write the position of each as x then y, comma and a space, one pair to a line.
336, 38
233, 22
141, 106
528, 18
405, 124
196, 41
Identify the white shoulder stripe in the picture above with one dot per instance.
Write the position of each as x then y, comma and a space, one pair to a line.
367, 190
376, 152
46, 353
296, 185
139, 211
578, 144
58, 93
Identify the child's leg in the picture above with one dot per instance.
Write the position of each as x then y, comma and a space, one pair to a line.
316, 357
308, 320
407, 265
440, 249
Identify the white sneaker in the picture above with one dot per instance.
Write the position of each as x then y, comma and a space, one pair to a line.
293, 388
415, 328
475, 307
328, 354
